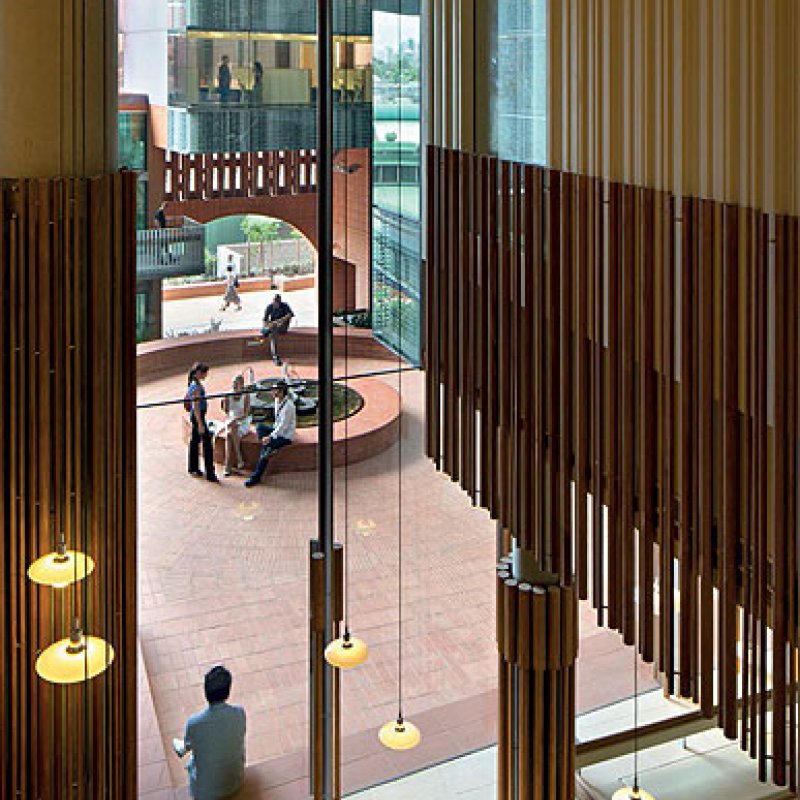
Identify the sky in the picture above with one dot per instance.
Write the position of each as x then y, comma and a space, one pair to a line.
390, 29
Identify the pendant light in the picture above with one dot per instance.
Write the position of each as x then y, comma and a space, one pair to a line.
399, 734
74, 659
346, 651
61, 568
634, 792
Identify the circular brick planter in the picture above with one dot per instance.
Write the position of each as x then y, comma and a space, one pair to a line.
370, 431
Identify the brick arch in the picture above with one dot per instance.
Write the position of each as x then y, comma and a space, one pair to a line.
299, 210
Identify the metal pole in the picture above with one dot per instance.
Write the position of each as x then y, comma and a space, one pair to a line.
325, 361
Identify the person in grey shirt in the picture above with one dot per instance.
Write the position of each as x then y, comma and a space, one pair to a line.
215, 739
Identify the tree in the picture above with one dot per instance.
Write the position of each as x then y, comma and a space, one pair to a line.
261, 230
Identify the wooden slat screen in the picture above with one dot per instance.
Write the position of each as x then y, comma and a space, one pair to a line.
67, 439
638, 352
209, 176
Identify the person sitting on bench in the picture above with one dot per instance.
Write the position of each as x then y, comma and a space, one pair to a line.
273, 437
277, 316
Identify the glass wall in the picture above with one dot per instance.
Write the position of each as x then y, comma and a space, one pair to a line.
261, 69
132, 154
520, 94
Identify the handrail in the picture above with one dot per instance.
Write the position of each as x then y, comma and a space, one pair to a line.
172, 250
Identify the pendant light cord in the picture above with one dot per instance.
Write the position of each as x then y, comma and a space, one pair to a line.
636, 706
399, 373
346, 354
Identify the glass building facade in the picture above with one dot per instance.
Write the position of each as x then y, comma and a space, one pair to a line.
520, 94
242, 76
396, 167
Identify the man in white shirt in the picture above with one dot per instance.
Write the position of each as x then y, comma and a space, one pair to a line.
273, 437
215, 740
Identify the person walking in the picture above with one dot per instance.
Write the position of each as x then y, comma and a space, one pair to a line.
231, 295
214, 738
196, 404
274, 437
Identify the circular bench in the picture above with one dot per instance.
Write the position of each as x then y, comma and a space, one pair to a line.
374, 428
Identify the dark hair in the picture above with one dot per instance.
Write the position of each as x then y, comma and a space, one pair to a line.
257, 66
198, 366
217, 684
282, 386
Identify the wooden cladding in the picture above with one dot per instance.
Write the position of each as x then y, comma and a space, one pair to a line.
612, 372
67, 438
209, 176
699, 97
537, 641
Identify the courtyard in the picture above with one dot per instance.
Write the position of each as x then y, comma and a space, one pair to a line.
223, 579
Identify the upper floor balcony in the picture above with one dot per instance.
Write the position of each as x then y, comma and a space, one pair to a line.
350, 17
178, 249
234, 128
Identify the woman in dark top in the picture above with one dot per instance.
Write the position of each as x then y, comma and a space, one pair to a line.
198, 406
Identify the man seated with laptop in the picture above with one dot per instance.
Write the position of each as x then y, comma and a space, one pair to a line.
215, 740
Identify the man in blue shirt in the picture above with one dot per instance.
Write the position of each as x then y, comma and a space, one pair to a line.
215, 739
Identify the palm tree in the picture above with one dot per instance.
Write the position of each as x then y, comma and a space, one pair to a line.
261, 230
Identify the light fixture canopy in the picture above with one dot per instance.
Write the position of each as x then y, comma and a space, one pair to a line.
632, 793
346, 652
61, 568
74, 659
400, 734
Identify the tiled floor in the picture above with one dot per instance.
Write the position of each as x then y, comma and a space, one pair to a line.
703, 765
223, 578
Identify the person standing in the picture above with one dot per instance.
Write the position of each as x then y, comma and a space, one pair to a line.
231, 295
215, 739
274, 437
224, 80
257, 95
277, 316
197, 406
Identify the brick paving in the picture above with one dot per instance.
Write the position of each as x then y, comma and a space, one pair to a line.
223, 579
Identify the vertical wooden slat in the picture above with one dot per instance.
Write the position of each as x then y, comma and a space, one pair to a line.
599, 591
667, 519
615, 575
554, 546
647, 426
626, 442
582, 233
563, 517
686, 550
705, 464
778, 536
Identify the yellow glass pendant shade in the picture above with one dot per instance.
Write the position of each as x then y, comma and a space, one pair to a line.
61, 568
399, 734
346, 652
74, 659
628, 793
